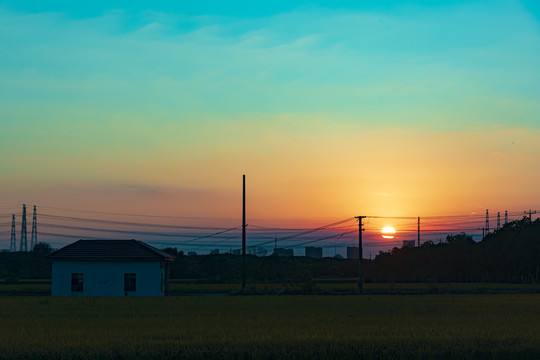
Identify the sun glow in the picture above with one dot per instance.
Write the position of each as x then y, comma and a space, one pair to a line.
388, 232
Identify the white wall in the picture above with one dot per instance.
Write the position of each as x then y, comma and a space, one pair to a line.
106, 278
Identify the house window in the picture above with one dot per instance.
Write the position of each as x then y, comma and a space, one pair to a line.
130, 282
77, 280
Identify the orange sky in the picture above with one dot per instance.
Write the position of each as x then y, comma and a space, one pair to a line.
330, 111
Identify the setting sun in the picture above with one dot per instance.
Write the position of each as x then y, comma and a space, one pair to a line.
388, 232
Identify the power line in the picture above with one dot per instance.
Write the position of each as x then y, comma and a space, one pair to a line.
308, 231
432, 226
139, 215
147, 233
273, 229
323, 238
414, 230
71, 218
70, 236
392, 217
211, 235
303, 243
317, 229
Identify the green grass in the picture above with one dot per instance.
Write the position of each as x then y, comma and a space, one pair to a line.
272, 327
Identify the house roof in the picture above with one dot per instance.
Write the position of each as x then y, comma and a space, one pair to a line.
109, 250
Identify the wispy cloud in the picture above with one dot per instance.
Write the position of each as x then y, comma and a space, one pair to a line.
308, 61
152, 105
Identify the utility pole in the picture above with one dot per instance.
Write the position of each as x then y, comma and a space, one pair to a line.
505, 217
530, 214
498, 220
360, 275
33, 238
243, 232
24, 241
13, 242
419, 231
487, 221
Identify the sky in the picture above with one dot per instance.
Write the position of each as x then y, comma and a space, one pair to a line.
331, 109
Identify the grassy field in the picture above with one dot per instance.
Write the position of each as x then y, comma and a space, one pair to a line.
349, 286
317, 286
273, 327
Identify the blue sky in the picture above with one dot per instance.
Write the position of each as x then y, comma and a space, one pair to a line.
229, 8
345, 59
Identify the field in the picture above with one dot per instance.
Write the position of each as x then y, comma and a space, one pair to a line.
344, 286
495, 326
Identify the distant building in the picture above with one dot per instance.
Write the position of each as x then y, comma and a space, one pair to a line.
237, 252
110, 268
214, 252
407, 243
314, 252
283, 252
352, 252
192, 253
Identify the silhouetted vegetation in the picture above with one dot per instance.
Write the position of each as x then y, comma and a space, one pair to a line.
42, 248
25, 265
227, 268
510, 255
173, 251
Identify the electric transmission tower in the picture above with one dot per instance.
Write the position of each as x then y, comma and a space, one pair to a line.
23, 244
13, 243
505, 217
33, 238
498, 220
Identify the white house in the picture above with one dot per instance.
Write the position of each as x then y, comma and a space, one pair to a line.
110, 268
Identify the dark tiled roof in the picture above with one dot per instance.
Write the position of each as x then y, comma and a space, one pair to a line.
110, 250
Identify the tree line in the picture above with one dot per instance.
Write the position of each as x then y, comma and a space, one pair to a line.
509, 255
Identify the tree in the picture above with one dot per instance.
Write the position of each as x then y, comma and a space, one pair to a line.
171, 251
42, 248
428, 243
459, 238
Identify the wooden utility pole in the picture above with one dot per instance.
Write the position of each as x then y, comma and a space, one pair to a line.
360, 275
419, 231
487, 221
243, 232
530, 214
